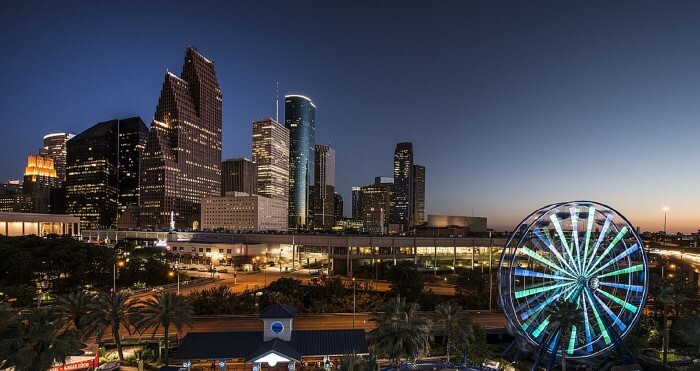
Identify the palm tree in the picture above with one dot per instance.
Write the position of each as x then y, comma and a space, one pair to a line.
36, 342
565, 314
165, 309
399, 333
456, 324
74, 306
111, 310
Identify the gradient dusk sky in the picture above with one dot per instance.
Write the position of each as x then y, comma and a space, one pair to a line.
509, 105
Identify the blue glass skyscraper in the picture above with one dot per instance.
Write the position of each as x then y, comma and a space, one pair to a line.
300, 119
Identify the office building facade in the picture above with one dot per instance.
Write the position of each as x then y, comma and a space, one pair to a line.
55, 147
239, 175
102, 171
300, 119
243, 212
182, 160
271, 156
418, 194
324, 187
356, 203
92, 188
376, 204
401, 212
39, 178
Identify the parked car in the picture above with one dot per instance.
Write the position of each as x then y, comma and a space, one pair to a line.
183, 267
202, 269
222, 270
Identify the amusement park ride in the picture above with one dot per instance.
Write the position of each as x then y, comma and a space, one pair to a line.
582, 252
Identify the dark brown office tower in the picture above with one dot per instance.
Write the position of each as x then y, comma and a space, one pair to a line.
376, 203
182, 161
338, 207
133, 134
239, 175
323, 191
418, 194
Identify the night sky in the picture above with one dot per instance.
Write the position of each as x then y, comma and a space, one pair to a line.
509, 105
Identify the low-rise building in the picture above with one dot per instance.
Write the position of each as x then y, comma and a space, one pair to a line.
244, 212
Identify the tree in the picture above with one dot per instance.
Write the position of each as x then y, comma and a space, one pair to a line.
399, 333
165, 309
688, 330
406, 281
111, 310
455, 324
479, 349
73, 307
565, 314
472, 288
37, 341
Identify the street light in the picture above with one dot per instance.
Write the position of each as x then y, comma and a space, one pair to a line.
665, 209
353, 303
178, 279
120, 264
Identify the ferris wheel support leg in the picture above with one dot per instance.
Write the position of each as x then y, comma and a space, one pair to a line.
622, 351
504, 353
542, 352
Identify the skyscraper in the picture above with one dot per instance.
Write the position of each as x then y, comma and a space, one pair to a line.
55, 147
239, 175
133, 134
300, 119
92, 188
271, 155
376, 202
357, 203
102, 166
324, 187
403, 185
182, 160
39, 178
418, 194
338, 207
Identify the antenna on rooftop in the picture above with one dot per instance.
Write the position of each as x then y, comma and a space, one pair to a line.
277, 102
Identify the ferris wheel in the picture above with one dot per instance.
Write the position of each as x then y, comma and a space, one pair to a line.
583, 252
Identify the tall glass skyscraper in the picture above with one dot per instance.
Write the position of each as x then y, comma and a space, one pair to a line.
402, 211
182, 160
300, 119
271, 155
418, 195
55, 147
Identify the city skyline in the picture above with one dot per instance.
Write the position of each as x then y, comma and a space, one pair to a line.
509, 108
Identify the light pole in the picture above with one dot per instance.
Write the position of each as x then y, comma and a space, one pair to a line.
121, 264
665, 209
178, 280
353, 303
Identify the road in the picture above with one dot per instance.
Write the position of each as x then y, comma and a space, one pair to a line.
259, 279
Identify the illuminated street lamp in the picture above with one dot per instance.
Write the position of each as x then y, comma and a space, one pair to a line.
120, 264
665, 209
353, 303
178, 279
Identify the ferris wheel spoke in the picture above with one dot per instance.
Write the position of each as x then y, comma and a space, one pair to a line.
537, 290
599, 321
529, 273
544, 237
544, 260
624, 254
601, 237
615, 318
619, 301
632, 269
537, 331
635, 288
543, 304
562, 238
612, 245
572, 340
589, 230
587, 326
574, 236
